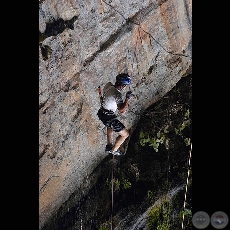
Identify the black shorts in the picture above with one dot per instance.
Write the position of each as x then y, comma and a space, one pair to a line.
109, 119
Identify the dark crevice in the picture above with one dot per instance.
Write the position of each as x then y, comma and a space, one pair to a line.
124, 29
42, 153
151, 68
41, 1
160, 2
41, 105
45, 109
130, 23
139, 17
45, 184
45, 51
50, 105
127, 27
52, 155
56, 27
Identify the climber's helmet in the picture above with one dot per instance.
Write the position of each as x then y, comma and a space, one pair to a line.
123, 79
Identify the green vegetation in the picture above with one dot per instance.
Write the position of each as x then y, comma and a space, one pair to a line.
119, 183
155, 141
159, 216
166, 128
159, 136
105, 226
169, 213
169, 121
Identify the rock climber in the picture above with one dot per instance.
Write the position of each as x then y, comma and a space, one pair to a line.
112, 105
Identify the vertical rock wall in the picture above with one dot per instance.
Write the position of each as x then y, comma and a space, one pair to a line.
84, 44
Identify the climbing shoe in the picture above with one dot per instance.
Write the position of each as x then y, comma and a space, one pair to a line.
117, 153
108, 148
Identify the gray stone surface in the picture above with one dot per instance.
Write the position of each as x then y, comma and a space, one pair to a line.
105, 40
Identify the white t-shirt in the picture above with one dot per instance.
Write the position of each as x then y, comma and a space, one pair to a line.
111, 97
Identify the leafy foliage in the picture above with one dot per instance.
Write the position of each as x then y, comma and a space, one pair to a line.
105, 226
119, 183
162, 134
170, 119
159, 216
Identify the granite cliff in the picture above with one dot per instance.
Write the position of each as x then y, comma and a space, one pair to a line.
84, 44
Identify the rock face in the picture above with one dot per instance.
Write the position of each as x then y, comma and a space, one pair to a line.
84, 44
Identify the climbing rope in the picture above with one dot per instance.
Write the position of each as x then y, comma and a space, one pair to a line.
131, 74
112, 179
186, 188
